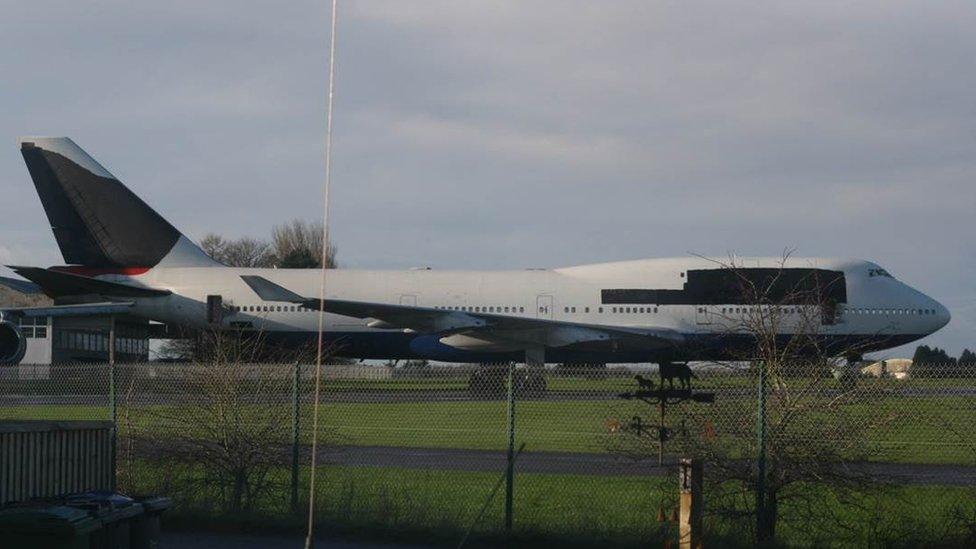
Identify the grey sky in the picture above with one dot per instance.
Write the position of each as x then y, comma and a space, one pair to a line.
516, 134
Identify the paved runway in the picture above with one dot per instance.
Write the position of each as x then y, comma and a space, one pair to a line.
601, 464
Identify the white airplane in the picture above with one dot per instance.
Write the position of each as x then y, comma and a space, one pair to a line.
124, 258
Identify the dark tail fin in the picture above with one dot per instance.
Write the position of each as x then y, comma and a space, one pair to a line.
97, 221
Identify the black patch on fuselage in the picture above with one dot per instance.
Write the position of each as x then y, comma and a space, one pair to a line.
96, 220
740, 287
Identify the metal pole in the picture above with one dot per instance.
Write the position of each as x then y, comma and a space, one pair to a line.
660, 430
111, 400
761, 454
690, 504
294, 437
510, 471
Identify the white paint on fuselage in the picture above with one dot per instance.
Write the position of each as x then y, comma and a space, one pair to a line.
876, 304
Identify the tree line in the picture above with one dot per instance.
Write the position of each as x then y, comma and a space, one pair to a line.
296, 244
935, 362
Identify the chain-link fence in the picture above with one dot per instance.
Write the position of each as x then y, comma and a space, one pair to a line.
558, 453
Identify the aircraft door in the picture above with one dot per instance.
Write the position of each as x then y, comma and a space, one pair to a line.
543, 307
701, 315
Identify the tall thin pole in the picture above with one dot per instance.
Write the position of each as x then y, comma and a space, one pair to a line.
325, 251
661, 429
510, 470
295, 432
113, 409
761, 455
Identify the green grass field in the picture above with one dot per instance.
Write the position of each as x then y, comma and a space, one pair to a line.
438, 507
917, 429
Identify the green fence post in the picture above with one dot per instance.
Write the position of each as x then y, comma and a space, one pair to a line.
294, 437
510, 471
761, 455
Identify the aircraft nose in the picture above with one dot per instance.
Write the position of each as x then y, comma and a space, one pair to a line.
942, 314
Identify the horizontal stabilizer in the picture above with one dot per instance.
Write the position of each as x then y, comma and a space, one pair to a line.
21, 286
61, 284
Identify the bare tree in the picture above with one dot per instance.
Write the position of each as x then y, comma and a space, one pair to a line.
296, 244
810, 428
213, 245
302, 238
248, 252
777, 323
242, 252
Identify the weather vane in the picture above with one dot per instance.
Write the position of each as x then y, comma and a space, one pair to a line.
662, 395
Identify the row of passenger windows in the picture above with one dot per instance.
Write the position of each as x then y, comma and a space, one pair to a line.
569, 310
270, 309
866, 311
543, 309
481, 309
742, 310
629, 310
854, 310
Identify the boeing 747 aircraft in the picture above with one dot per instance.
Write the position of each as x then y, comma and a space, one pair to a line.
124, 258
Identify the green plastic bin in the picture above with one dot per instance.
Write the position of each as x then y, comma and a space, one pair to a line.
147, 527
115, 512
47, 527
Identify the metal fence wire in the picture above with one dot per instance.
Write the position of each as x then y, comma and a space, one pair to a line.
419, 447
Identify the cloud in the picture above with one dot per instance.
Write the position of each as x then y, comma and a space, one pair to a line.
511, 134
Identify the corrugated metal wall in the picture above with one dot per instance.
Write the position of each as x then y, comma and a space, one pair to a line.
40, 459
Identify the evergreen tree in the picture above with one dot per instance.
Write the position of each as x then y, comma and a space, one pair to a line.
967, 364
922, 355
967, 358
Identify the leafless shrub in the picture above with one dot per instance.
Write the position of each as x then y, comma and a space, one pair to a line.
231, 428
811, 430
813, 427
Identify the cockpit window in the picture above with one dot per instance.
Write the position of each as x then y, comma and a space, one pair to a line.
879, 272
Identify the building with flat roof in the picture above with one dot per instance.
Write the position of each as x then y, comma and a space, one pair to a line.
53, 340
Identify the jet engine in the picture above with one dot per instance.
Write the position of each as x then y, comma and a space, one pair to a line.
13, 344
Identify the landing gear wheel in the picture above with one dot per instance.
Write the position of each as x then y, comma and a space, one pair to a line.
529, 383
487, 382
535, 384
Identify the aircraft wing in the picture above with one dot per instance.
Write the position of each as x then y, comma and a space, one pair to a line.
505, 329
